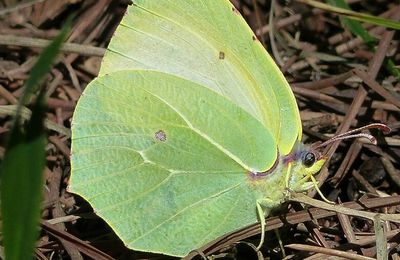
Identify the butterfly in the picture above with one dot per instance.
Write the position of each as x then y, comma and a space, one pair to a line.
190, 131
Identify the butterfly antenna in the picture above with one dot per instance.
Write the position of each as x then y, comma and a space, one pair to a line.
355, 133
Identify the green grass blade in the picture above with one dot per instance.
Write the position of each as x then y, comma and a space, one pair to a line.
354, 15
42, 67
354, 26
21, 194
22, 168
391, 66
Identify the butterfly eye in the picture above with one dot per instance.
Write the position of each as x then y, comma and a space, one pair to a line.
309, 159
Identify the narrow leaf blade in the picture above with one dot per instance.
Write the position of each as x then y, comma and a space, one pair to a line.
354, 26
367, 18
23, 164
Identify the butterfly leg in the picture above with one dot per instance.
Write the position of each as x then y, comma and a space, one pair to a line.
319, 191
263, 205
287, 175
261, 216
278, 236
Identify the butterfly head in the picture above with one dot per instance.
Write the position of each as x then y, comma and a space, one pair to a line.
305, 161
302, 163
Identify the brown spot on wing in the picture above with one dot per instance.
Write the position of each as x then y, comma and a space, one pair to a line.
221, 55
160, 135
235, 10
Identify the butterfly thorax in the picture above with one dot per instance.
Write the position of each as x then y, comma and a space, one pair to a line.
291, 173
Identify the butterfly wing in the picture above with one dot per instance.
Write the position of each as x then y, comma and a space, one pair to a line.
207, 42
159, 160
186, 104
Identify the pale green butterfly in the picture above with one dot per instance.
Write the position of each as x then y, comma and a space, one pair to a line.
189, 132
